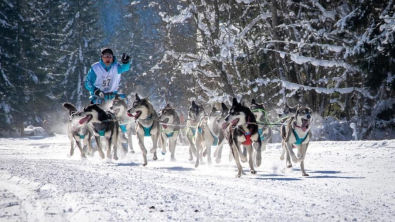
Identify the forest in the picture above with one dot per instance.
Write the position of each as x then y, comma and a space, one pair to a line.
334, 56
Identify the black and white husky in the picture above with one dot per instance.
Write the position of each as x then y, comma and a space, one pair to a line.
78, 132
147, 124
104, 124
244, 131
170, 128
265, 132
195, 112
209, 134
296, 132
126, 123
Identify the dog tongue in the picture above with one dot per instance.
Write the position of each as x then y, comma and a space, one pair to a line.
130, 115
225, 125
164, 126
305, 124
83, 120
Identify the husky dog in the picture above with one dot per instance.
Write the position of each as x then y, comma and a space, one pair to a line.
170, 128
296, 133
126, 124
78, 132
245, 131
104, 125
287, 112
210, 134
147, 124
265, 132
195, 112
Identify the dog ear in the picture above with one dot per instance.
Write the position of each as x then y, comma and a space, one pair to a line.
286, 105
253, 101
70, 107
234, 102
224, 107
137, 97
193, 103
214, 109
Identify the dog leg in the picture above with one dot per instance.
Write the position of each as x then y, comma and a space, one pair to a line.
140, 137
231, 155
109, 156
99, 145
115, 147
219, 153
80, 147
250, 159
258, 154
198, 151
235, 153
208, 152
154, 145
71, 147
87, 141
192, 149
130, 142
304, 150
283, 150
172, 148
243, 156
163, 142
291, 153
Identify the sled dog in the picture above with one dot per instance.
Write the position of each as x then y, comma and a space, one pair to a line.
147, 124
295, 132
265, 132
104, 124
209, 134
126, 123
245, 131
195, 112
78, 132
170, 128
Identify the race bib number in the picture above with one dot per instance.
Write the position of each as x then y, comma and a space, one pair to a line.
106, 83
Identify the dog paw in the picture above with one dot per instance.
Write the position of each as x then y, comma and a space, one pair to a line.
173, 160
218, 160
253, 171
238, 175
305, 174
281, 157
145, 164
115, 157
132, 151
258, 162
196, 164
289, 165
155, 158
163, 153
190, 158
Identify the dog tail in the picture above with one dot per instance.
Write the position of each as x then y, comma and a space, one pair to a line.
70, 107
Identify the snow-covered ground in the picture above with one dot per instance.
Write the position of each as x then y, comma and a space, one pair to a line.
351, 181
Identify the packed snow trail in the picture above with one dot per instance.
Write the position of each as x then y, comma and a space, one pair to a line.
350, 181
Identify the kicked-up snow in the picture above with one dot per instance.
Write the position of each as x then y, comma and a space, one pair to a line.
349, 181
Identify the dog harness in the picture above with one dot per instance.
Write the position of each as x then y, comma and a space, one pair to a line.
81, 136
248, 139
260, 131
299, 141
147, 130
123, 127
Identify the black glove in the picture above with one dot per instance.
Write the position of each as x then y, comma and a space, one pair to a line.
99, 93
125, 58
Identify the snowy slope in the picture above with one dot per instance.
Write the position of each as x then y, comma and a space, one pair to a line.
350, 181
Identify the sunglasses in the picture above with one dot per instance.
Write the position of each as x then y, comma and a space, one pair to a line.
107, 56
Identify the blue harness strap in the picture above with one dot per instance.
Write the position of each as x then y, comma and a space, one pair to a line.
200, 130
102, 132
260, 131
193, 130
147, 130
169, 134
215, 142
123, 127
299, 140
81, 136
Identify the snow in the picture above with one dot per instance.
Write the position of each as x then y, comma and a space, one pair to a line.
350, 181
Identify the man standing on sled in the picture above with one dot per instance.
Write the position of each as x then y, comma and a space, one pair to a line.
104, 76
